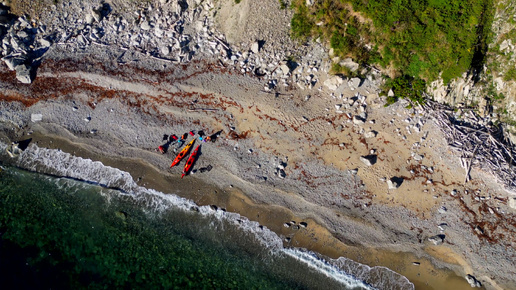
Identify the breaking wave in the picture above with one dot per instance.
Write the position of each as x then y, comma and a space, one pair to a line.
348, 273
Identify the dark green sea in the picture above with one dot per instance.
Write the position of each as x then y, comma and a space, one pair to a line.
76, 232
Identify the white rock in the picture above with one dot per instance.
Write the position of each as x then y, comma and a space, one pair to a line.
418, 157
512, 202
88, 19
333, 83
284, 68
255, 47
368, 160
437, 240
165, 50
370, 134
358, 120
23, 74
145, 25
390, 93
354, 83
394, 182
473, 282
36, 117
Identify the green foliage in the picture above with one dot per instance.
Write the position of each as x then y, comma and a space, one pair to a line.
301, 25
283, 4
406, 87
418, 38
238, 1
510, 75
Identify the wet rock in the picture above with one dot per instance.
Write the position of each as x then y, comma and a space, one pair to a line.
473, 282
437, 240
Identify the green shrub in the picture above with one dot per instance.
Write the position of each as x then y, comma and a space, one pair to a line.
422, 39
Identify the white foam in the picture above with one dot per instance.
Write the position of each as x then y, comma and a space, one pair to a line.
327, 269
59, 163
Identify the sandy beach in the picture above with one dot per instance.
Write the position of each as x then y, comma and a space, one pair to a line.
323, 155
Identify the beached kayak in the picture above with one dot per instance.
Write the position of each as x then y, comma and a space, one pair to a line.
190, 162
182, 154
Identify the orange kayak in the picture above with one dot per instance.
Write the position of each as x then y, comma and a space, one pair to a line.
182, 154
190, 161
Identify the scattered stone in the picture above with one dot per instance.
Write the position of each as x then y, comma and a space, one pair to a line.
354, 83
368, 160
23, 73
418, 157
512, 202
36, 117
394, 182
442, 226
442, 209
437, 240
370, 134
473, 282
287, 225
255, 47
303, 224
357, 120
416, 263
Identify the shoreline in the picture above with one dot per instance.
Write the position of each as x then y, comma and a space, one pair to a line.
314, 237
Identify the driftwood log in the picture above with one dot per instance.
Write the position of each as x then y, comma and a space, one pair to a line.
478, 141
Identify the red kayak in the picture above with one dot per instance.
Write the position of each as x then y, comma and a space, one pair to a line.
183, 153
190, 162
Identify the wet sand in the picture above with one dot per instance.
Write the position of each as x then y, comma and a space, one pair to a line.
419, 270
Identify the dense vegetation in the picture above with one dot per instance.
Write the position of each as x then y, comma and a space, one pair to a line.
74, 241
412, 39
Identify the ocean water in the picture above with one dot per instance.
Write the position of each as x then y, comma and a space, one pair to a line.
80, 224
